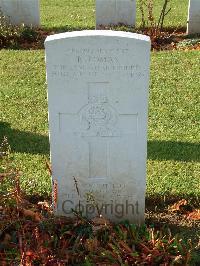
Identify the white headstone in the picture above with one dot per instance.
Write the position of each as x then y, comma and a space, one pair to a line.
98, 98
193, 24
21, 11
114, 12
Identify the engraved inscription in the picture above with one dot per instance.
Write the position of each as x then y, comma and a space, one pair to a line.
115, 190
95, 69
96, 51
96, 62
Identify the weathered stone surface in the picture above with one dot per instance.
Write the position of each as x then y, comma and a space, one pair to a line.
193, 24
98, 98
21, 11
114, 12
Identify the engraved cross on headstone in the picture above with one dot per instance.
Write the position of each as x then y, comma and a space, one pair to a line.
97, 122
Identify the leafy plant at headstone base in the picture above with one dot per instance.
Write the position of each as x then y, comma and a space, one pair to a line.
8, 33
12, 35
189, 43
149, 25
31, 235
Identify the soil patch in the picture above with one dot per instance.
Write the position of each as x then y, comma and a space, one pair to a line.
168, 39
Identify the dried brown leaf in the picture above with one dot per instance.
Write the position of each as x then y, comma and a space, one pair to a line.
195, 215
31, 214
125, 246
176, 206
44, 205
145, 249
48, 165
6, 239
100, 221
91, 244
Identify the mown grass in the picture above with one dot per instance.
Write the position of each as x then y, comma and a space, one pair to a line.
80, 14
173, 147
174, 150
24, 115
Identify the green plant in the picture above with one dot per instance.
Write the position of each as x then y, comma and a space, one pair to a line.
13, 35
28, 33
188, 43
149, 20
8, 33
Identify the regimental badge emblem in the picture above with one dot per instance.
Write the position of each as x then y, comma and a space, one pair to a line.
98, 117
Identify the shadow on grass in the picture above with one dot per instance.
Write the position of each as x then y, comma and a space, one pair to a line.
24, 142
28, 142
67, 28
162, 150
160, 202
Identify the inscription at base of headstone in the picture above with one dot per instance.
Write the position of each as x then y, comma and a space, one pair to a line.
98, 103
21, 11
115, 12
193, 24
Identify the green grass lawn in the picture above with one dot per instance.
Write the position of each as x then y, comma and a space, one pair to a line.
80, 14
173, 148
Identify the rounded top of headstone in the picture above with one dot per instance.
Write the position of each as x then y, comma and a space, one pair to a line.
103, 33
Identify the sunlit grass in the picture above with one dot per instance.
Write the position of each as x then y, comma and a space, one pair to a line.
80, 14
173, 131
